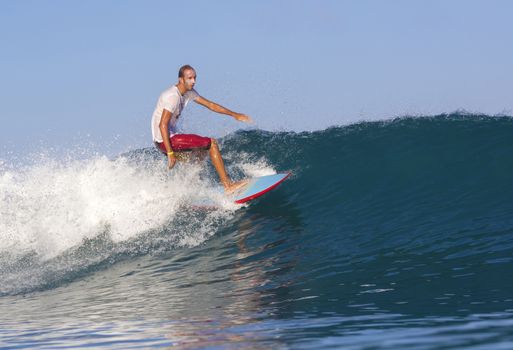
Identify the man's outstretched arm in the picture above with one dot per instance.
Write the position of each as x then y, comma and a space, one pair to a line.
223, 110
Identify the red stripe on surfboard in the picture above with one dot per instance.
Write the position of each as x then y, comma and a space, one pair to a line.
256, 195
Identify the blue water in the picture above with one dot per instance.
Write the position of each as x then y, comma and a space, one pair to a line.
389, 235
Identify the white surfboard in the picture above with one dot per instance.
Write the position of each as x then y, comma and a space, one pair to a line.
259, 186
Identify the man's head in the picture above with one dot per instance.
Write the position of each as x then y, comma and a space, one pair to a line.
187, 77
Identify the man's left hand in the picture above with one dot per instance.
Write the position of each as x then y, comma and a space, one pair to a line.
243, 118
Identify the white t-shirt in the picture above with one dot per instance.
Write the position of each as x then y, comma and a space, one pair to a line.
173, 101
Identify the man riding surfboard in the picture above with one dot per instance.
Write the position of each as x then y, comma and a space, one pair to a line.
170, 104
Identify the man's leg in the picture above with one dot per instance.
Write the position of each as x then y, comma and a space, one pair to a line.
192, 143
217, 161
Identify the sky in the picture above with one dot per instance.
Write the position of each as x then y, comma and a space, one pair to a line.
88, 73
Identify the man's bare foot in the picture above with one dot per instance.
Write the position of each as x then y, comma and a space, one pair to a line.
234, 186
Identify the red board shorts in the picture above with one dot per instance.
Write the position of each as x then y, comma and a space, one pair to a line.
185, 142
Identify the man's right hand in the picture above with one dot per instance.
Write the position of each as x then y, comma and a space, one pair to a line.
171, 161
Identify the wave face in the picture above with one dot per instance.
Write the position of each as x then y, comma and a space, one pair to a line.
395, 234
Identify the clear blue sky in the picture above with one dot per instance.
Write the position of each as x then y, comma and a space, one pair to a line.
89, 72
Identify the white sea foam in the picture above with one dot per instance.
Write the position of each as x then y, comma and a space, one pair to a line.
49, 208
245, 164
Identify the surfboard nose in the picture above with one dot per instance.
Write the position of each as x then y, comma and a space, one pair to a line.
259, 186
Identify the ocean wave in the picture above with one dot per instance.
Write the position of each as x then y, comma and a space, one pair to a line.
402, 193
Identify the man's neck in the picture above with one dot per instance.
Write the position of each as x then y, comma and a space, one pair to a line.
181, 88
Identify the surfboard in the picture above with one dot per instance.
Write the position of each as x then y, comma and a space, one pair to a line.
258, 186
255, 188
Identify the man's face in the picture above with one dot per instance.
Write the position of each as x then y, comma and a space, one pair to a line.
189, 79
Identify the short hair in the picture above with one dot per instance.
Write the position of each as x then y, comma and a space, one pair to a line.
182, 70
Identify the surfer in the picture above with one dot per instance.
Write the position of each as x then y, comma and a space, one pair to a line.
165, 116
